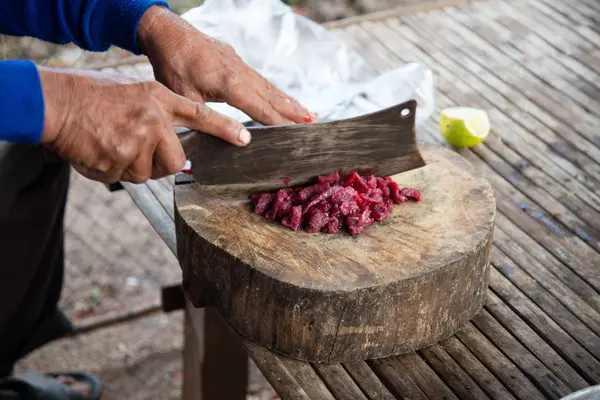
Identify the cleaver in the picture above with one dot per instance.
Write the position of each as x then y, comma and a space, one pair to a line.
381, 143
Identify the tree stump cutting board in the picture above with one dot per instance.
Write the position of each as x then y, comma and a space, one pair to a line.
399, 286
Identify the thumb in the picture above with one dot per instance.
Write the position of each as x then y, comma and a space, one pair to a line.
200, 117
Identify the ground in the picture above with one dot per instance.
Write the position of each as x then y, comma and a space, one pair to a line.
116, 261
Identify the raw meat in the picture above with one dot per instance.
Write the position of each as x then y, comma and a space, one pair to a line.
352, 202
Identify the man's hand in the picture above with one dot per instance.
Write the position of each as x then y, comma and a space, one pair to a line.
203, 69
115, 128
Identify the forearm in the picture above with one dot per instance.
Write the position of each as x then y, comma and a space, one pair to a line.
21, 102
93, 25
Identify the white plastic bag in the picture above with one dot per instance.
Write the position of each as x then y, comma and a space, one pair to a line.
308, 62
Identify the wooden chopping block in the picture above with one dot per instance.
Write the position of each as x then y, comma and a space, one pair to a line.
399, 286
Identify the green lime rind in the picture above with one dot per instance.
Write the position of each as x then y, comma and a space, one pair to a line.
463, 126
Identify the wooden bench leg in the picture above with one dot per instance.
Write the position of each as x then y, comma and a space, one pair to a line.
215, 363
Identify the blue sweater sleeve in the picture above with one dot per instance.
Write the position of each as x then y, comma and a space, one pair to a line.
93, 25
21, 102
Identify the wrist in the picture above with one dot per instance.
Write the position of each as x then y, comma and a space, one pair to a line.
57, 90
152, 26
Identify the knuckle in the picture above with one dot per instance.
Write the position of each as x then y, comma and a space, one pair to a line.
232, 127
159, 173
174, 165
103, 165
263, 111
106, 177
151, 119
125, 153
137, 173
226, 48
139, 177
110, 180
141, 117
202, 111
231, 81
154, 88
136, 114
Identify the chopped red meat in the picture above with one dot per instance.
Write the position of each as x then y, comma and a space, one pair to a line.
281, 204
395, 193
359, 222
351, 202
380, 212
317, 222
389, 204
342, 196
306, 193
322, 207
323, 196
330, 179
261, 202
333, 226
335, 212
383, 185
349, 207
411, 193
357, 182
371, 182
294, 219
373, 196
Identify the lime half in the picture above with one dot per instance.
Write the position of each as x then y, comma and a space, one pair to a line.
464, 126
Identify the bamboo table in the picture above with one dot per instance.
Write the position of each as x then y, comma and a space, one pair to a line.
534, 65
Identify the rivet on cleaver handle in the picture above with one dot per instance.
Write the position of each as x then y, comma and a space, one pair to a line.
382, 143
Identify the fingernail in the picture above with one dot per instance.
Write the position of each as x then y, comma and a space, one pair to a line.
310, 117
244, 136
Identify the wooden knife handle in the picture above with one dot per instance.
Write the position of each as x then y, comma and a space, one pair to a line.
189, 138
189, 141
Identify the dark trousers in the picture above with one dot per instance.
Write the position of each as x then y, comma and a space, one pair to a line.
33, 193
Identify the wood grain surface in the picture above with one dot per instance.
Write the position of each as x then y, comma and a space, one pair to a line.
397, 287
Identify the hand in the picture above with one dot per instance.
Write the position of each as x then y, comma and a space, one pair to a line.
115, 128
206, 70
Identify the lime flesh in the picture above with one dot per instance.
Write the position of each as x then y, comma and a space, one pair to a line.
464, 126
